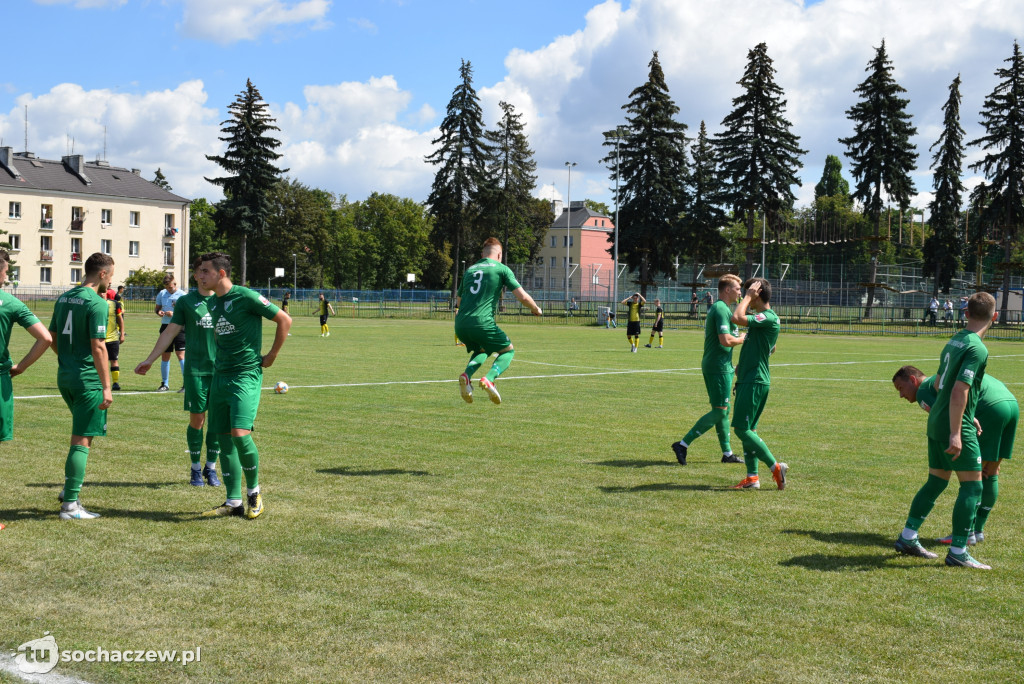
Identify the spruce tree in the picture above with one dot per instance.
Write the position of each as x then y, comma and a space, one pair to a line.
944, 247
880, 149
160, 180
1003, 164
832, 183
245, 210
703, 239
508, 199
759, 153
461, 157
653, 172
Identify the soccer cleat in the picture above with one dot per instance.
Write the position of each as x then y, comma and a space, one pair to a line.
964, 560
196, 478
779, 474
660, 346
182, 390
680, 452
211, 476
633, 349
731, 458
224, 511
255, 506
73, 510
491, 390
749, 482
912, 547
648, 346
466, 388
971, 540
162, 388
979, 537
116, 387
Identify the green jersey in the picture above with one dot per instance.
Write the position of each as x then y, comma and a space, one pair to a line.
79, 317
12, 310
192, 314
963, 359
718, 359
992, 392
480, 292
238, 328
762, 332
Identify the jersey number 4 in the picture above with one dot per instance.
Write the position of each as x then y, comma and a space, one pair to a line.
67, 327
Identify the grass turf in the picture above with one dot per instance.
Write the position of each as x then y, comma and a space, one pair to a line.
411, 537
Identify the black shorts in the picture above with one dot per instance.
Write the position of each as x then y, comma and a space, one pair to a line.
177, 344
113, 349
323, 320
632, 328
659, 326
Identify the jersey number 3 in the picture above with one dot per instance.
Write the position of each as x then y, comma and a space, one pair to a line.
478, 279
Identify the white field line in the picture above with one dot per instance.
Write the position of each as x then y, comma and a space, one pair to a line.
8, 665
559, 375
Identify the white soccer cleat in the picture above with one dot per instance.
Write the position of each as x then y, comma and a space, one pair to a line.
73, 510
466, 388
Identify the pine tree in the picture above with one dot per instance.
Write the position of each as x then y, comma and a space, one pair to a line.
511, 178
1003, 164
654, 171
759, 153
160, 181
832, 183
944, 247
883, 156
703, 239
250, 157
461, 156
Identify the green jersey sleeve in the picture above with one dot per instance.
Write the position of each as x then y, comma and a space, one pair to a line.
509, 279
926, 393
260, 305
720, 320
762, 319
24, 316
97, 319
178, 317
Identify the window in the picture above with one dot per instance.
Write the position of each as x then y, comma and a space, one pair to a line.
168, 220
105, 246
45, 242
14, 274
77, 218
131, 273
553, 238
76, 276
46, 216
540, 262
570, 239
105, 216
15, 241
76, 249
133, 219
14, 210
168, 254
44, 275
602, 223
567, 240
552, 262
133, 248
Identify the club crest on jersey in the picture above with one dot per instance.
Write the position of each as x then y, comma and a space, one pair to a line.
227, 306
264, 301
759, 317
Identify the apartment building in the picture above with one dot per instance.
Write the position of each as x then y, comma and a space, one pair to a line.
57, 213
577, 243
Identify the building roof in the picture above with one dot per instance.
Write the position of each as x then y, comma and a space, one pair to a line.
103, 179
577, 217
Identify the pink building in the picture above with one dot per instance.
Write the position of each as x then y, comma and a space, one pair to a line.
577, 241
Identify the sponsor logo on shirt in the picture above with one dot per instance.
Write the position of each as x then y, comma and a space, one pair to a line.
224, 327
206, 322
760, 317
101, 329
724, 329
264, 301
968, 373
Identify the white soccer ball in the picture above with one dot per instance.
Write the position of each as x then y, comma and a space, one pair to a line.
281, 388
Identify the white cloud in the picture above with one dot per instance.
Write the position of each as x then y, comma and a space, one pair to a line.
364, 25
229, 21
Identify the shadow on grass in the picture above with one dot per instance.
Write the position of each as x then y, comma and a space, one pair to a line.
89, 483
350, 472
17, 514
663, 487
634, 463
861, 563
850, 538
9, 515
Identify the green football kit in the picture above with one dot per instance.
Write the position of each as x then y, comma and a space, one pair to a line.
191, 313
79, 317
480, 295
753, 382
716, 366
12, 310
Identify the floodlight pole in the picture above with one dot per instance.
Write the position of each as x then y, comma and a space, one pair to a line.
295, 272
568, 214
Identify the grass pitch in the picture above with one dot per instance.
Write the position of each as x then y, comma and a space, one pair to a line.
411, 537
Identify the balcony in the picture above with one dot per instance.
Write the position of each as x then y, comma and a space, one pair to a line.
46, 224
170, 232
77, 224
76, 257
46, 255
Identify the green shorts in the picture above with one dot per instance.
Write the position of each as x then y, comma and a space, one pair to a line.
87, 419
197, 392
719, 387
751, 398
6, 408
969, 459
234, 400
489, 340
998, 430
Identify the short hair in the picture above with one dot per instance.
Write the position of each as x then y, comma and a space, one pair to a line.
5, 257
97, 262
219, 260
724, 281
766, 288
120, 287
907, 372
490, 244
169, 278
981, 306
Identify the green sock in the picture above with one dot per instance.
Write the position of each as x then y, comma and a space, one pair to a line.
722, 428
751, 462
194, 438
966, 505
212, 447
925, 500
500, 364
989, 494
709, 420
475, 362
755, 446
74, 471
249, 457
230, 468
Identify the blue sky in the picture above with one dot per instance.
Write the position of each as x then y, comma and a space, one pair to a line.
358, 88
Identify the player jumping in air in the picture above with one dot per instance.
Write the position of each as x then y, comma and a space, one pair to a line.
753, 380
478, 299
953, 438
720, 336
996, 417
